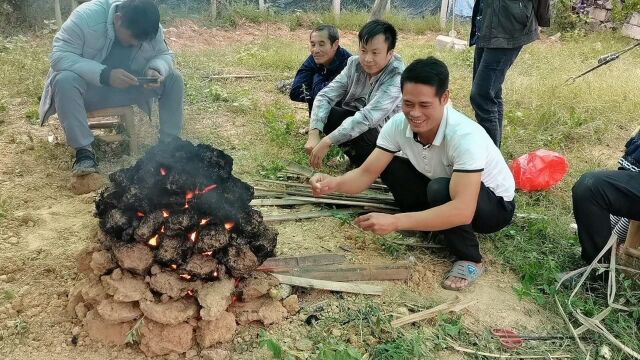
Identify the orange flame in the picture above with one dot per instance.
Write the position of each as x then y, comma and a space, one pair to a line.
163, 171
204, 221
185, 276
140, 214
207, 253
174, 266
192, 236
165, 213
162, 229
229, 225
189, 195
153, 241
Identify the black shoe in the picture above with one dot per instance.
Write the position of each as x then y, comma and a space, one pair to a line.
85, 163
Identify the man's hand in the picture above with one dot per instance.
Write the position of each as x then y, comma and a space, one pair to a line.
122, 79
319, 152
314, 139
154, 74
322, 184
378, 223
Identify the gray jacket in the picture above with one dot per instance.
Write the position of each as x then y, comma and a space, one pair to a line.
375, 99
84, 41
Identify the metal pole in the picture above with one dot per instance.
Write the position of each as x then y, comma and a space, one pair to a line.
335, 6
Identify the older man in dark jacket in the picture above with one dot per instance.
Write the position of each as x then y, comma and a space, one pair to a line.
499, 30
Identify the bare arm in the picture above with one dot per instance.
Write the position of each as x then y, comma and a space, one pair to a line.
464, 189
356, 180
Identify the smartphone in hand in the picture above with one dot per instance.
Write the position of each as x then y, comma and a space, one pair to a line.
147, 80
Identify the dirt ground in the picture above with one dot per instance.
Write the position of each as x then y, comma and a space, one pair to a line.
47, 226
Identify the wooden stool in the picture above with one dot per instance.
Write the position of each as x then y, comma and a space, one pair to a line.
630, 254
123, 115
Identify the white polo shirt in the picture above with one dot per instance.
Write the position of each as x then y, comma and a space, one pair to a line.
460, 145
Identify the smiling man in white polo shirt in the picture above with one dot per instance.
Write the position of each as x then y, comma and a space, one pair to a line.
450, 177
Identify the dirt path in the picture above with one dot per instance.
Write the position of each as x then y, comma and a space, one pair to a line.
45, 226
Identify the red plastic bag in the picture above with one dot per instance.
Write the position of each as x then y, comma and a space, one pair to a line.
539, 170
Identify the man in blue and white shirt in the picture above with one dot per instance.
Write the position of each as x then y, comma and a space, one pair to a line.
451, 177
351, 110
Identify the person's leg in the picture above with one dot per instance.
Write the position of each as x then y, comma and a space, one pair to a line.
68, 95
490, 68
357, 149
597, 195
171, 104
407, 185
492, 214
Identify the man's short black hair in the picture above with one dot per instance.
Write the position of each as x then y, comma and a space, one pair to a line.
332, 32
429, 71
376, 27
141, 18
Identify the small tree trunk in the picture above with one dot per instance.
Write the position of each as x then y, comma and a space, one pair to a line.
444, 11
214, 9
56, 5
74, 4
378, 10
261, 5
335, 6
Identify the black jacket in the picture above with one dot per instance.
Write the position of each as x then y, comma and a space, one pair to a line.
504, 23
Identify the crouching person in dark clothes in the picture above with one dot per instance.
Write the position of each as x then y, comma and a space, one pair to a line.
351, 110
326, 61
97, 57
451, 178
599, 194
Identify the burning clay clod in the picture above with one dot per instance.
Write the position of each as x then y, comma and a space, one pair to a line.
178, 238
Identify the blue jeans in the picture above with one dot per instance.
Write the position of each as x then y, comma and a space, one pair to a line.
490, 67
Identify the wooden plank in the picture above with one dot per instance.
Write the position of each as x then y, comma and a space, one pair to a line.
310, 215
344, 202
632, 243
371, 196
454, 305
277, 202
330, 285
349, 272
107, 124
299, 261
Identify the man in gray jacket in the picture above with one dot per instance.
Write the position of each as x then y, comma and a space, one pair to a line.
352, 109
98, 56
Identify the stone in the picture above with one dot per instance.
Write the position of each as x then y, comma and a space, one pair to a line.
136, 258
336, 332
247, 312
171, 312
171, 284
102, 262
105, 332
165, 298
219, 330
93, 293
291, 304
631, 31
85, 184
635, 19
272, 312
215, 297
83, 260
447, 42
215, 354
304, 345
191, 354
280, 292
75, 297
158, 339
602, 15
128, 288
81, 310
76, 331
117, 274
256, 285
118, 312
155, 269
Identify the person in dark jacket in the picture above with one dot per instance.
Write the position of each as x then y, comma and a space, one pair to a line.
599, 194
499, 30
326, 61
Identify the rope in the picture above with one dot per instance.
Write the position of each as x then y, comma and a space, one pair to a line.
594, 323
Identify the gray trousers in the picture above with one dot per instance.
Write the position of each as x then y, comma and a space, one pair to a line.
74, 97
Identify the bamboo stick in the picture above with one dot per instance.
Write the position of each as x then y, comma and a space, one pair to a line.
330, 285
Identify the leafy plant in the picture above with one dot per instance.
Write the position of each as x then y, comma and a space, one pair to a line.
277, 350
133, 336
338, 351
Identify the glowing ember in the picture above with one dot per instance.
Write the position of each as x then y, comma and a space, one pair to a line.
163, 171
204, 221
192, 236
215, 274
229, 225
207, 253
153, 241
165, 214
190, 292
162, 229
234, 299
185, 276
207, 189
140, 214
174, 266
189, 195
